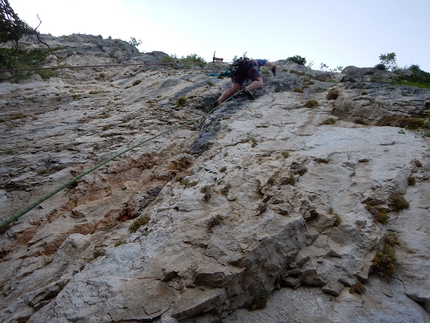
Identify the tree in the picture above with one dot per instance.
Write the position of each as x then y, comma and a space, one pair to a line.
134, 42
12, 28
389, 61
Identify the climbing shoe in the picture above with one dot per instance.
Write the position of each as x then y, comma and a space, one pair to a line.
249, 94
274, 70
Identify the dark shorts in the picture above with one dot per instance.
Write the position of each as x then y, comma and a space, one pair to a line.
246, 71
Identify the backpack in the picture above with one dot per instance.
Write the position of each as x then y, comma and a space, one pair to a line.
236, 63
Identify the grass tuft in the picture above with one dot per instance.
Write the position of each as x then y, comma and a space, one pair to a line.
357, 288
142, 220
333, 94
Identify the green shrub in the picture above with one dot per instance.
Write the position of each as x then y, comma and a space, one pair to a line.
193, 58
418, 78
329, 121
379, 213
186, 182
297, 59
391, 239
13, 59
142, 220
181, 101
337, 221
259, 301
411, 181
385, 262
207, 193
404, 122
398, 202
169, 59
333, 94
357, 288
311, 103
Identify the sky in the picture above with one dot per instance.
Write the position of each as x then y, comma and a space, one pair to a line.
337, 33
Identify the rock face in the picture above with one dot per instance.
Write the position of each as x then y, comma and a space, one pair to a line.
272, 199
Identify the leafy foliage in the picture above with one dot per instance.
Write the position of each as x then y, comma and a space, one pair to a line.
379, 213
389, 61
12, 28
134, 42
259, 302
398, 202
385, 262
417, 77
412, 123
192, 58
15, 59
297, 59
187, 61
169, 59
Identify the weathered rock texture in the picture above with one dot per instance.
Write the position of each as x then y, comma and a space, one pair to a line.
261, 198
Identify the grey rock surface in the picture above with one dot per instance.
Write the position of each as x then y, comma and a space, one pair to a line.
266, 198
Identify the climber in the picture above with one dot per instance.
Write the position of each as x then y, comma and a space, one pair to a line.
244, 69
265, 62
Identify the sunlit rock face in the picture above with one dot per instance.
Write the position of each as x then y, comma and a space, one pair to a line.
288, 201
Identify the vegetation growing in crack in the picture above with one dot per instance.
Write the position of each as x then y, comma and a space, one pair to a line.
225, 189
286, 154
411, 123
411, 181
259, 302
181, 101
253, 142
398, 203
333, 94
99, 253
138, 222
329, 121
311, 103
379, 213
206, 190
337, 221
119, 242
357, 288
214, 221
186, 182
385, 261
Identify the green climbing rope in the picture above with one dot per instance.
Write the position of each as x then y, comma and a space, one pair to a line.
73, 180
